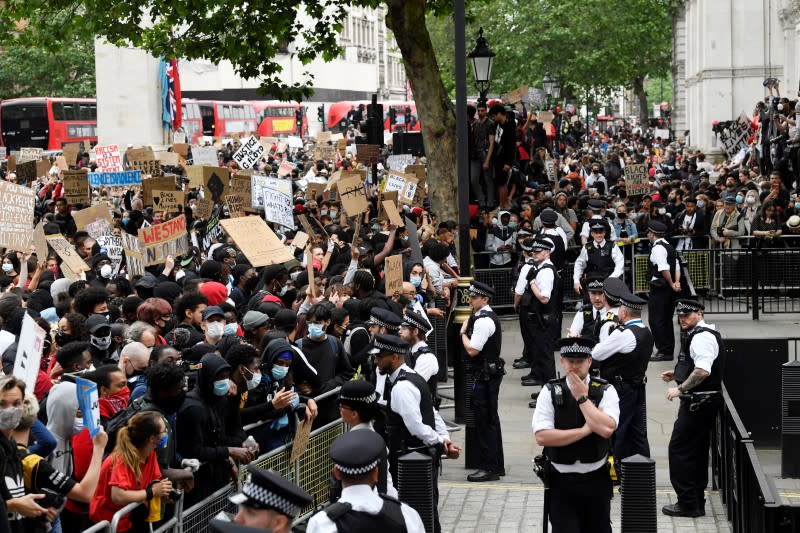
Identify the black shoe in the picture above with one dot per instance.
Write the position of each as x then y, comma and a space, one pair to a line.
521, 364
661, 357
534, 395
501, 472
483, 475
532, 404
675, 509
529, 375
518, 359
532, 382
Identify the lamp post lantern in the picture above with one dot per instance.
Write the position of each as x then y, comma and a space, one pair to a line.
482, 58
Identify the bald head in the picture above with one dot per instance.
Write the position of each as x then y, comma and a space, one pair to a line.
408, 288
133, 358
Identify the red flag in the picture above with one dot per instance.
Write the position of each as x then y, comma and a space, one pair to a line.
177, 88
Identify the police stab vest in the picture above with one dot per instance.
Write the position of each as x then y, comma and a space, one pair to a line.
671, 255
491, 350
685, 364
568, 415
399, 438
389, 520
559, 252
599, 261
412, 362
535, 305
630, 366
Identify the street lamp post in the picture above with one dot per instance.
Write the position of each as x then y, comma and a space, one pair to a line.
482, 58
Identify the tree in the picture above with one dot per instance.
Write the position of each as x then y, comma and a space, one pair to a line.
33, 71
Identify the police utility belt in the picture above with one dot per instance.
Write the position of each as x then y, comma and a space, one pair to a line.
697, 399
485, 370
618, 381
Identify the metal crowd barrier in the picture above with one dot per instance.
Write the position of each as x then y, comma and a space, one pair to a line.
753, 505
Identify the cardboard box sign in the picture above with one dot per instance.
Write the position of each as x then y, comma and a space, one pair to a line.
390, 208
241, 187
323, 137
26, 172
16, 215
166, 183
169, 158
314, 191
235, 207
203, 209
76, 186
325, 153
162, 240
205, 156
256, 240
394, 275
149, 167
29, 154
354, 197
391, 196
369, 154
71, 152
300, 239
61, 163
181, 148
67, 253
216, 184
637, 180
169, 201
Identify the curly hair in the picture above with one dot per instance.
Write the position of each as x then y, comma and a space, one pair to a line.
152, 310
78, 324
86, 300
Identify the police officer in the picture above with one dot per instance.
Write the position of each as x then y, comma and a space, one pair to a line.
268, 501
598, 208
588, 321
549, 218
622, 359
539, 319
519, 291
414, 330
482, 338
699, 370
414, 424
599, 257
383, 321
664, 275
574, 420
356, 456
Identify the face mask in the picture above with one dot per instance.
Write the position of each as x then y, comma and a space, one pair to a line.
416, 281
315, 331
171, 405
283, 290
739, 199
750, 200
63, 339
10, 417
295, 401
662, 210
797, 205
376, 228
701, 204
279, 372
100, 342
512, 225
323, 212
8, 267
54, 270
162, 442
106, 271
215, 329
193, 206
125, 221
77, 425
780, 107
334, 214
221, 387
294, 275
230, 329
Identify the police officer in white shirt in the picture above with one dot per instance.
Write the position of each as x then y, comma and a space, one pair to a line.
665, 284
598, 208
574, 420
599, 258
414, 329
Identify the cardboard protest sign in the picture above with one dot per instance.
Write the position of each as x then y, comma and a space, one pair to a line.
385, 196
300, 239
324, 152
419, 171
16, 215
26, 172
249, 153
88, 404
546, 117
286, 169
112, 245
235, 207
169, 201
61, 163
128, 177
517, 94
212, 230
215, 184
661, 132
12, 163
29, 351
195, 175
40, 242
323, 137
369, 154
550, 167
205, 155
29, 154
392, 213
168, 158
394, 274
181, 149
257, 185
165, 183
353, 195
312, 286
67, 253
734, 137
140, 154
636, 180
149, 167
134, 260
306, 225
71, 152
108, 158
161, 240
241, 186
277, 202
43, 167
178, 137
85, 217
314, 191
294, 141
203, 209
413, 241
76, 186
258, 243
300, 443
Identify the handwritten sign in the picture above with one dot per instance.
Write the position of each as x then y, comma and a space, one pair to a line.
386, 196
169, 201
29, 154
241, 187
129, 177
369, 154
323, 137
161, 240
278, 202
286, 169
26, 172
636, 180
89, 404
76, 186
134, 259
300, 444
550, 167
517, 94
179, 137
16, 215
89, 216
354, 197
165, 183
112, 245
257, 185
29, 351
400, 161
234, 203
150, 167
168, 158
256, 240
108, 158
249, 153
390, 208
203, 209
394, 274
205, 155
324, 152
67, 253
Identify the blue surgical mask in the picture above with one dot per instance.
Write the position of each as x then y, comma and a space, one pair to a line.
279, 372
125, 221
701, 204
315, 331
254, 381
162, 442
416, 281
221, 387
296, 401
739, 199
797, 205
512, 225
230, 329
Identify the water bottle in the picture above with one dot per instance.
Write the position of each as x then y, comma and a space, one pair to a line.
251, 445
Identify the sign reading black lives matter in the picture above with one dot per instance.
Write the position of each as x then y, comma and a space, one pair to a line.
734, 137
249, 154
636, 180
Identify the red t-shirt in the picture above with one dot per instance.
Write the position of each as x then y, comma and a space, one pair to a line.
115, 473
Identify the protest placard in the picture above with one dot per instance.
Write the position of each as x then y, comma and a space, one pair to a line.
212, 229
661, 132
390, 208
257, 185
323, 137
134, 260
67, 253
205, 155
294, 141
39, 242
26, 172
636, 180
29, 351
181, 149
258, 243
734, 136
394, 274
144, 153
300, 443
16, 215
29, 154
128, 177
178, 137
215, 184
169, 201
368, 154
546, 117
249, 153
149, 167
354, 198
203, 209
278, 202
76, 186
235, 206
286, 168
61, 163
112, 245
324, 152
161, 240
241, 186
304, 223
71, 152
43, 166
11, 164
312, 286
550, 167
164, 183
168, 158
88, 404
300, 239
404, 184
516, 95
195, 175
418, 171
384, 196
90, 215
314, 191
413, 241
108, 158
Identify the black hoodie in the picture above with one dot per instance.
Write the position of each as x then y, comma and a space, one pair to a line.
206, 427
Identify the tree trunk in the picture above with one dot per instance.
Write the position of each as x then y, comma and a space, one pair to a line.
406, 19
641, 94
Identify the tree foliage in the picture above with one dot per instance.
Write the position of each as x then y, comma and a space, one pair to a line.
33, 71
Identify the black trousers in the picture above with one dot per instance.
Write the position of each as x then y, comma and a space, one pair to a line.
660, 309
688, 452
540, 343
630, 437
487, 423
581, 503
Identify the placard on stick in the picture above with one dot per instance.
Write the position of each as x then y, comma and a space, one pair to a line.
241, 186
215, 184
312, 287
67, 253
306, 226
636, 180
76, 186
256, 240
16, 215
394, 274
40, 242
354, 198
170, 201
392, 213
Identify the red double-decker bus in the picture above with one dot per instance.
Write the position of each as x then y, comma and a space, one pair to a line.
276, 118
405, 115
222, 118
191, 122
47, 123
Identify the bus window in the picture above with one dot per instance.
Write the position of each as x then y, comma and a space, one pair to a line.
25, 125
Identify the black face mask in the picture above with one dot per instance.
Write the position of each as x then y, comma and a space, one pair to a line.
63, 339
251, 283
172, 404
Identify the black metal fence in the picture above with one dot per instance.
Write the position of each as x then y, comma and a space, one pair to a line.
752, 503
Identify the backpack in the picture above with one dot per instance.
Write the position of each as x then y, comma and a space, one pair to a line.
120, 420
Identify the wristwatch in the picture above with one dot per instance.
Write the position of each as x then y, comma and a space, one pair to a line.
582, 399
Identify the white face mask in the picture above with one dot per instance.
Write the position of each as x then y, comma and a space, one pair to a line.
8, 267
106, 271
215, 329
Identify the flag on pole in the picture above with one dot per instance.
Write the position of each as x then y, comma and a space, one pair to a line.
170, 94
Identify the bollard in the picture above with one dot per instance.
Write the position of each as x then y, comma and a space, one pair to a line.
638, 490
415, 485
790, 419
